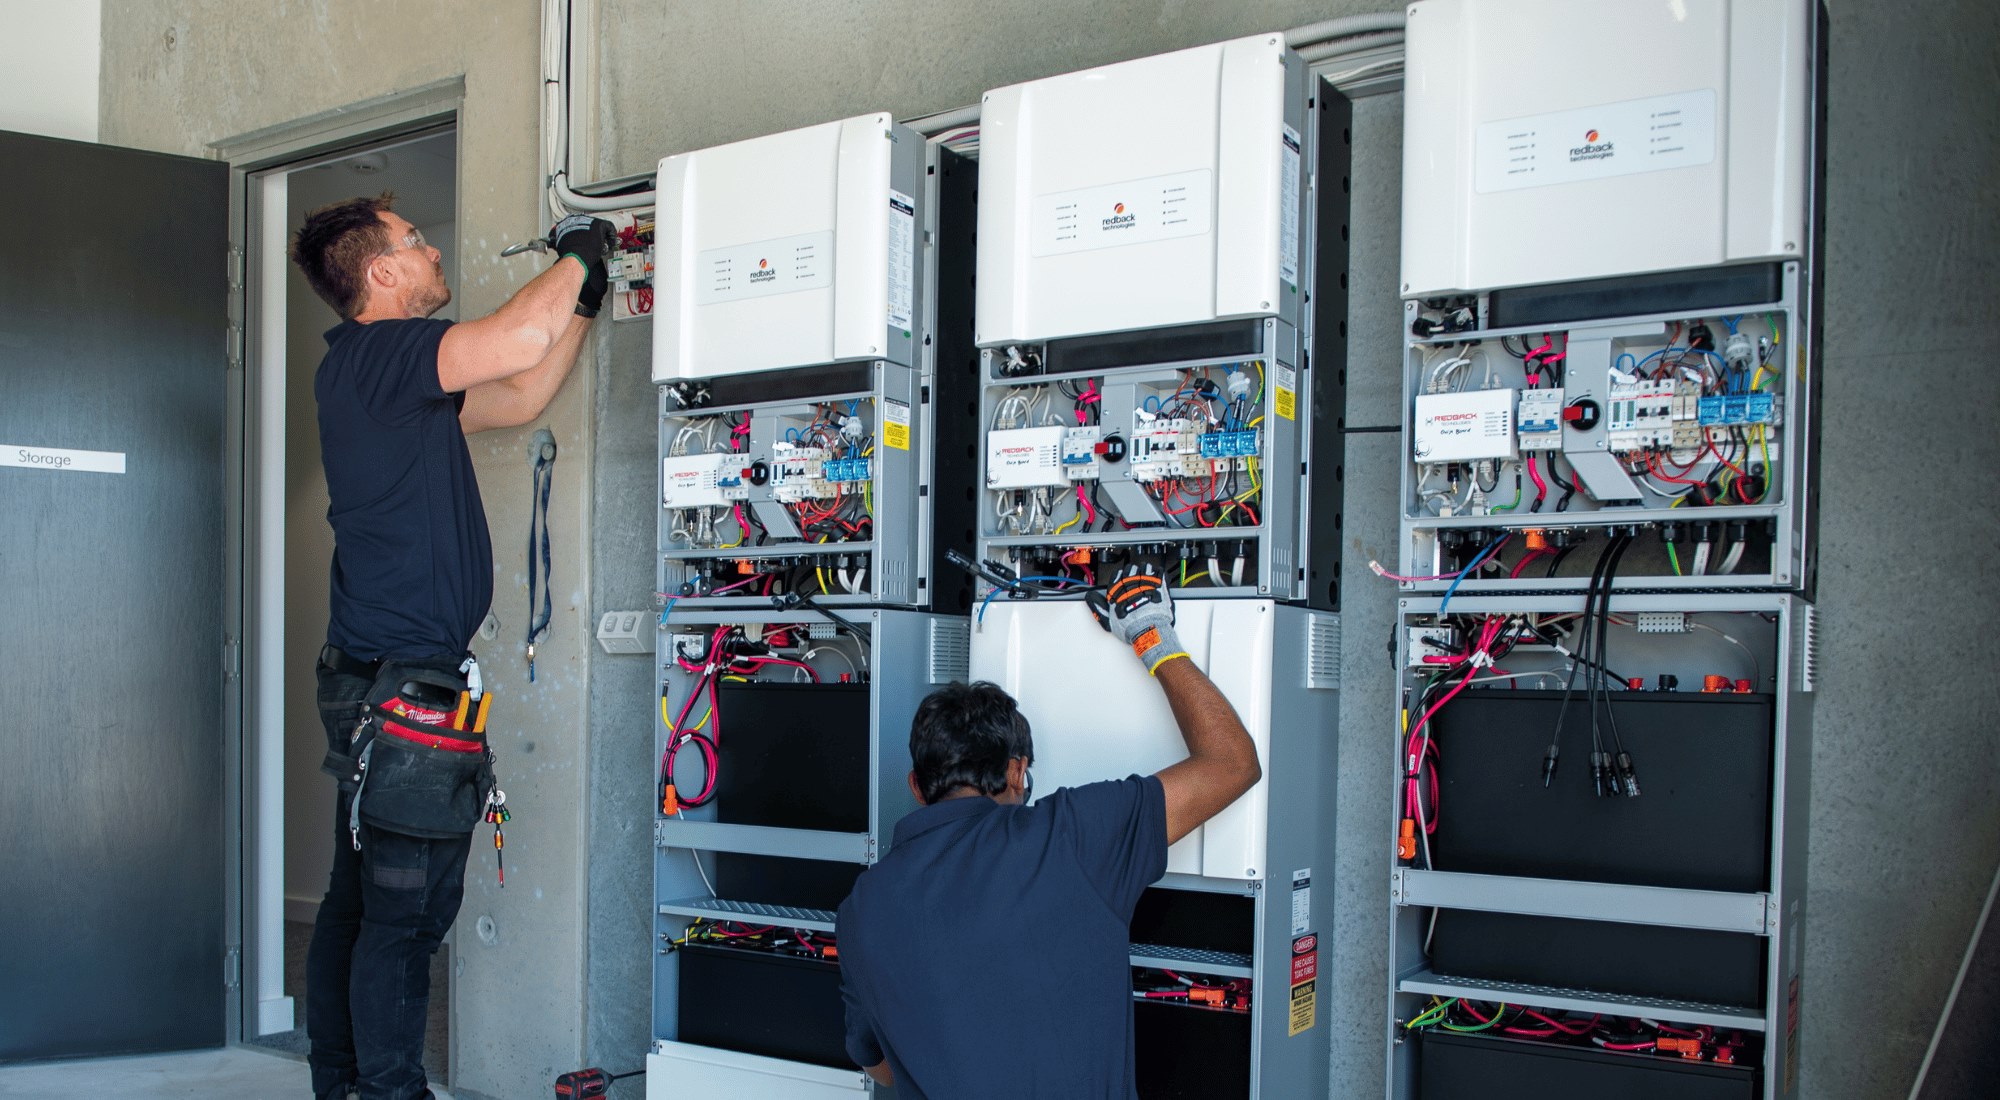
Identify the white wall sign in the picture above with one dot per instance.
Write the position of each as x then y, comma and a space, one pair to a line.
55, 458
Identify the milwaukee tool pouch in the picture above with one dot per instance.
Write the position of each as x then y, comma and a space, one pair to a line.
416, 772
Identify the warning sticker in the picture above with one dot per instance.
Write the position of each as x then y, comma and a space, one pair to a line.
1305, 984
1302, 900
902, 259
1288, 229
1286, 398
896, 425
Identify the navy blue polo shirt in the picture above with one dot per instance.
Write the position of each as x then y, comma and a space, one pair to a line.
987, 955
412, 560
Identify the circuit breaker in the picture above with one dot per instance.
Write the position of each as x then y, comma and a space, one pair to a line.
1611, 318
1146, 254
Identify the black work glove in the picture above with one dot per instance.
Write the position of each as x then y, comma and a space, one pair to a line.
590, 299
588, 239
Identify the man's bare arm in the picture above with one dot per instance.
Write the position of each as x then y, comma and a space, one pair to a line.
1222, 760
515, 338
882, 1074
522, 398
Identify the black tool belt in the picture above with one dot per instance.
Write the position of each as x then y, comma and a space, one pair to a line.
420, 767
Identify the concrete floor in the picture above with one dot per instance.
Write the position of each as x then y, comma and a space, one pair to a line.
245, 1073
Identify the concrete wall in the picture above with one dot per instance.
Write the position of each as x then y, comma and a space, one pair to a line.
49, 82
179, 74
1906, 825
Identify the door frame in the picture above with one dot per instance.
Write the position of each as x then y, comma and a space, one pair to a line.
253, 529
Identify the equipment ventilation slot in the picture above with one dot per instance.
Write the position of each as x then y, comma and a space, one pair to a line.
1323, 653
951, 651
1809, 650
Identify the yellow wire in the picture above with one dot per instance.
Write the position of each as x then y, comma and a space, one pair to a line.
1072, 520
669, 722
821, 570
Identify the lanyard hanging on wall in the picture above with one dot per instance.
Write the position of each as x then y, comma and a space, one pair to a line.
543, 450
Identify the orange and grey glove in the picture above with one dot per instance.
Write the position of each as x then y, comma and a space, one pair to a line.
1137, 610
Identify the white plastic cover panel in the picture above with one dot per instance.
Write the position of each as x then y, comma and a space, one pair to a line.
780, 251
1552, 140
1137, 195
1096, 714
678, 1070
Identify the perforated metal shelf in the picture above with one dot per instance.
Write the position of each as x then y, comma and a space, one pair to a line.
812, 920
1583, 1000
1227, 964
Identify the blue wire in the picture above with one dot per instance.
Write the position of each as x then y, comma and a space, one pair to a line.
995, 590
1467, 571
1731, 322
669, 607
1622, 356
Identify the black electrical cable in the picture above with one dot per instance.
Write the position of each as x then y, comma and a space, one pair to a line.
1576, 667
1601, 760
1568, 487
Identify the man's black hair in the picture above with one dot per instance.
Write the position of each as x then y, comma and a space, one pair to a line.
335, 246
963, 736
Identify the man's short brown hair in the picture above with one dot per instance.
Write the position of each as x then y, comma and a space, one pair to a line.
335, 246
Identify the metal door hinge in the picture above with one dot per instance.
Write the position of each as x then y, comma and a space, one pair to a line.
234, 344
232, 968
232, 659
236, 269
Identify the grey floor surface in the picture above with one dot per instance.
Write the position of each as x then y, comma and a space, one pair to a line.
241, 1073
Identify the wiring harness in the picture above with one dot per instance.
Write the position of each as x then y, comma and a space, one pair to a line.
728, 653
1632, 1035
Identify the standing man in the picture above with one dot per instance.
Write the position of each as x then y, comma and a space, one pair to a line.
987, 954
412, 580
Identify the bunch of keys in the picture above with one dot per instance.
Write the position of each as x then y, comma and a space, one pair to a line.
497, 815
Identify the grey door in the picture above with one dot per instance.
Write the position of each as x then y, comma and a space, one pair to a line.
113, 312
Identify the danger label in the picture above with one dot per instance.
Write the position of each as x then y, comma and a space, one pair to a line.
1305, 984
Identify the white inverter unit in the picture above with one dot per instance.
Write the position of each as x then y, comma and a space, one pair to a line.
794, 249
1549, 141
1151, 193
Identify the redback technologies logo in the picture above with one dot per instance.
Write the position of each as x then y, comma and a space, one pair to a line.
1119, 219
763, 274
1591, 149
767, 263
